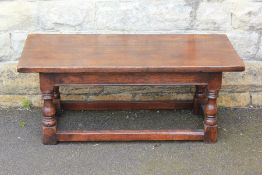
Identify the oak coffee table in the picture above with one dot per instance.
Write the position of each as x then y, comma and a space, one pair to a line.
70, 59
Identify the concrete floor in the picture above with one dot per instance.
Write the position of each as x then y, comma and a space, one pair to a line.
238, 151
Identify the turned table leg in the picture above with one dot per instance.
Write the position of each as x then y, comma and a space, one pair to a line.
49, 122
210, 111
199, 98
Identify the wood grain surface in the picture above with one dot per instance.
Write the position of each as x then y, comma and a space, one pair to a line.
128, 53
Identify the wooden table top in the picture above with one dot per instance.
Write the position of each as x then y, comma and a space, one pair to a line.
128, 53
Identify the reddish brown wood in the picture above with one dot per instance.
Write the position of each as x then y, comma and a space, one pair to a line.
210, 111
130, 60
49, 120
130, 135
129, 53
123, 78
199, 99
125, 105
57, 97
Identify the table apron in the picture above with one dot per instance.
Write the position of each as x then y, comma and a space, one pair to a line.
164, 78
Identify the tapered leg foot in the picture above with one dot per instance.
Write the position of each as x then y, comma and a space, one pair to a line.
210, 134
49, 135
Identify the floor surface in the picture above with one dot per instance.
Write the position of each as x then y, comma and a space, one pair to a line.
238, 150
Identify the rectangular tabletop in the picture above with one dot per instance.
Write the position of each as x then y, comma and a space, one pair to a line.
128, 53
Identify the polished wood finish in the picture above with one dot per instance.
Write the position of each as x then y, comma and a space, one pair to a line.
122, 78
130, 135
62, 53
123, 105
210, 111
49, 123
197, 60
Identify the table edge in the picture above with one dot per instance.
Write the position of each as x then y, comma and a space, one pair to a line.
239, 68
